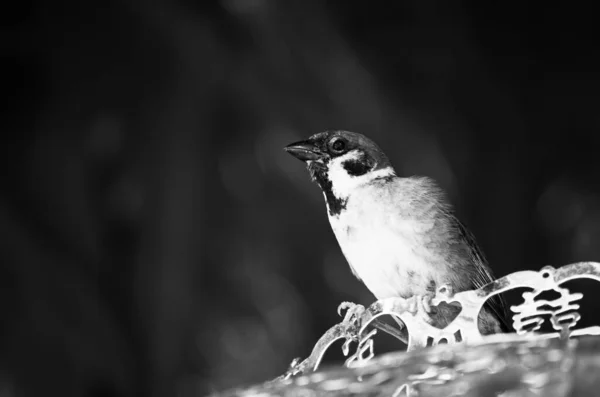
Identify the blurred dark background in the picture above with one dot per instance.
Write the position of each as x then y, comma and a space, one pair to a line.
157, 241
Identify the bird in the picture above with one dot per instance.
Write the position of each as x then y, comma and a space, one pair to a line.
399, 235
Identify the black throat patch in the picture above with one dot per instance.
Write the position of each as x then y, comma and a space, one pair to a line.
359, 166
318, 172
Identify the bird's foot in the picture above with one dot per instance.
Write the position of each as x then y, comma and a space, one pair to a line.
420, 304
354, 312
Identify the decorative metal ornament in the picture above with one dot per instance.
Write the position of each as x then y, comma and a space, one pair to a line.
528, 318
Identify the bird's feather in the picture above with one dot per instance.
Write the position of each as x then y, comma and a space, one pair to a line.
463, 250
399, 235
483, 276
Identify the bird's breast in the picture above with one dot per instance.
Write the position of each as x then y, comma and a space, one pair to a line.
386, 250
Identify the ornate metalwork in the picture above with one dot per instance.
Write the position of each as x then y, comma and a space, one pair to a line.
528, 318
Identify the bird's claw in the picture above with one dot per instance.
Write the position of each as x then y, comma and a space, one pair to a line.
420, 303
343, 306
354, 311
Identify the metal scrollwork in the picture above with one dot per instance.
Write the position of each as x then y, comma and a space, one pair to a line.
527, 319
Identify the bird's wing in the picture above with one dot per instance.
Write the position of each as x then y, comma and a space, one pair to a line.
483, 276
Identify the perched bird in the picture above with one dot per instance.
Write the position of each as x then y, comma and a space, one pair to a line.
399, 235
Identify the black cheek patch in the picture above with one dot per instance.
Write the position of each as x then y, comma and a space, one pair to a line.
357, 167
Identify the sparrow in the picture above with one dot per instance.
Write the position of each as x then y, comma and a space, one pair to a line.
399, 235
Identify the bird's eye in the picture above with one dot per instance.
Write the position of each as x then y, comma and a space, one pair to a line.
338, 145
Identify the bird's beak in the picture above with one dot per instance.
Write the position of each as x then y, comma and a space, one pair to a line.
304, 150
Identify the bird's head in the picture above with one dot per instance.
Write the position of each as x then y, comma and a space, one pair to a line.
340, 161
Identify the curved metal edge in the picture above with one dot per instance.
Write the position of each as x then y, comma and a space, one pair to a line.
339, 331
577, 270
466, 322
547, 278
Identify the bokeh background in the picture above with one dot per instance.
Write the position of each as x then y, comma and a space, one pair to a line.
156, 240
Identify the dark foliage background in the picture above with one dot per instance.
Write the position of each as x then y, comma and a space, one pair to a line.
156, 240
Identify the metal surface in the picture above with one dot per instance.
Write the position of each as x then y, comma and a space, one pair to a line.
528, 317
